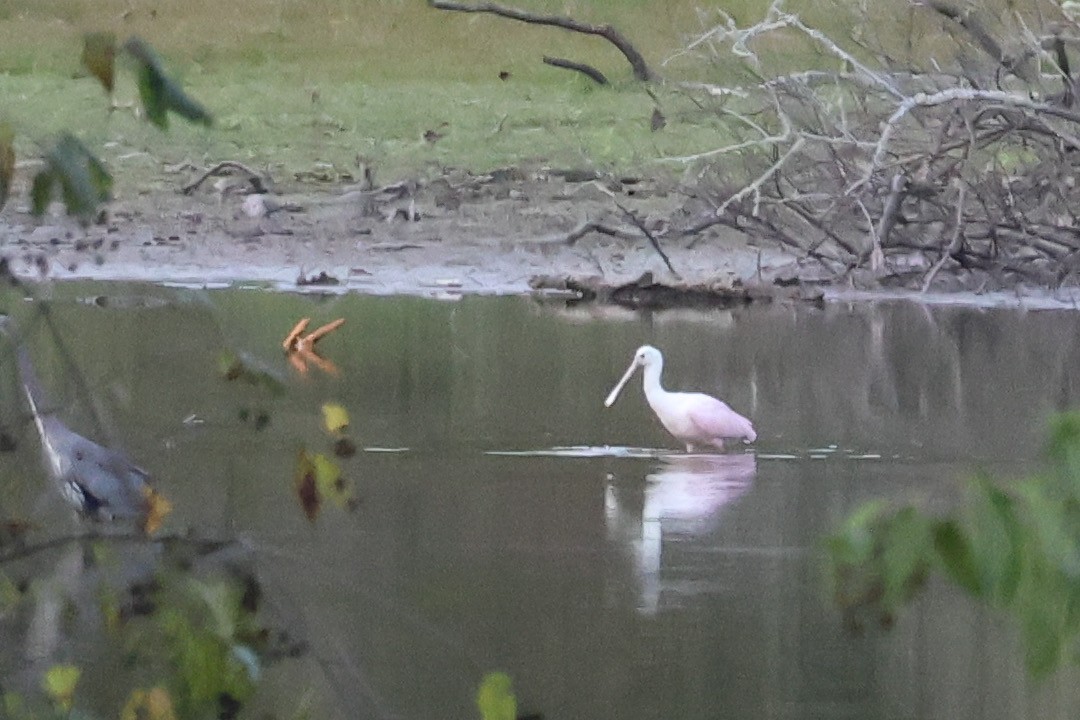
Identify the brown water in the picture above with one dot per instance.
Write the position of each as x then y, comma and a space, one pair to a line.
509, 522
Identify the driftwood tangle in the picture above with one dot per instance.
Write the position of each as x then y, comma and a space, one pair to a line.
641, 69
645, 293
954, 167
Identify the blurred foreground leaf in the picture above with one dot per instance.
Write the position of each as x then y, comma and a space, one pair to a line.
317, 479
304, 480
160, 93
1016, 546
335, 418
7, 161
59, 684
99, 57
152, 704
9, 595
207, 669
157, 508
495, 698
84, 182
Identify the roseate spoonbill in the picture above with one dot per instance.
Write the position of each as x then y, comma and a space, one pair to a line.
101, 483
693, 418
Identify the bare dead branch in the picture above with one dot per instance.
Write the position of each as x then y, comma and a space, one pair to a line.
636, 59
589, 227
652, 238
257, 180
954, 242
891, 208
587, 70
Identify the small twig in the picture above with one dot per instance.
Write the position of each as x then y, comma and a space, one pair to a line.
24, 551
952, 95
954, 243
652, 238
763, 178
587, 70
892, 207
256, 178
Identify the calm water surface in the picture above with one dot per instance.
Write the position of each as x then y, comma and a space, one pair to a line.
509, 522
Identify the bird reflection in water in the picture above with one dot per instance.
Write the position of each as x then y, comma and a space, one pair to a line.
682, 498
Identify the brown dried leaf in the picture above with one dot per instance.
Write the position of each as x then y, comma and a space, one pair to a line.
99, 57
306, 486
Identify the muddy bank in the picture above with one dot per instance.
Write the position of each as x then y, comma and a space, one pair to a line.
565, 233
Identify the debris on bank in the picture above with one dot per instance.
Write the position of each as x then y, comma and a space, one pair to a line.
647, 293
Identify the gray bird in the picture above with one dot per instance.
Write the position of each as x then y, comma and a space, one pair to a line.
101, 483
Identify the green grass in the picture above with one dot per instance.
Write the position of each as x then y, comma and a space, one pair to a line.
297, 82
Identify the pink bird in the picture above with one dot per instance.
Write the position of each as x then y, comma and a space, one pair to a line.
693, 418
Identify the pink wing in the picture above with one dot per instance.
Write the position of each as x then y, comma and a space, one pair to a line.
714, 419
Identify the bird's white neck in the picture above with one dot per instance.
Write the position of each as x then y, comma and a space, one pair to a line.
653, 390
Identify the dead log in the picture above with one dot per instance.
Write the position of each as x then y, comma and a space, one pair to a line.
587, 70
641, 69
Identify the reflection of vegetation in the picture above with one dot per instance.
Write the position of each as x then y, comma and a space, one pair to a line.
1015, 547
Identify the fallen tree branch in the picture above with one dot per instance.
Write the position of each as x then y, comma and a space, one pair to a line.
636, 59
587, 70
589, 226
255, 178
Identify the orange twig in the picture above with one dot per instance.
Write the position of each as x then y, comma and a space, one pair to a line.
293, 337
326, 329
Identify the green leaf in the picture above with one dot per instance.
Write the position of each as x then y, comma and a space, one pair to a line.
160, 93
996, 538
906, 556
84, 182
206, 667
7, 161
1043, 638
1053, 524
856, 541
495, 698
59, 684
954, 552
41, 190
99, 57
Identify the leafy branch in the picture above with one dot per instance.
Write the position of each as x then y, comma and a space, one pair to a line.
83, 181
1016, 547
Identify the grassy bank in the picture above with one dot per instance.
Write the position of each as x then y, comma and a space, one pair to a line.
297, 85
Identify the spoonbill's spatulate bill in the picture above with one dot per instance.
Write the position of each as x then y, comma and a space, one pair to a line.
693, 418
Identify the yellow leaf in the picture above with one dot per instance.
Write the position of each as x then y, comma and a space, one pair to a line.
495, 698
59, 683
152, 704
157, 507
335, 418
330, 482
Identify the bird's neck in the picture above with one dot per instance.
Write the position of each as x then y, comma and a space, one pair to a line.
653, 389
